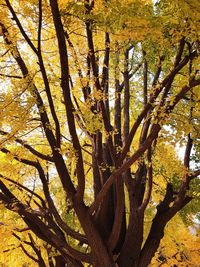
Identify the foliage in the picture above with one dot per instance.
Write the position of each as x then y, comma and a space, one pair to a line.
178, 247
96, 100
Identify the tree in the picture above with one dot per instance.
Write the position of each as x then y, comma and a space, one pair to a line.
91, 93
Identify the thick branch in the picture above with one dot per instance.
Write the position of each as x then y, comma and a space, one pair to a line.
149, 183
67, 97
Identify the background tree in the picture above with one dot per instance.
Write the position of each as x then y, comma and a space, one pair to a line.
94, 96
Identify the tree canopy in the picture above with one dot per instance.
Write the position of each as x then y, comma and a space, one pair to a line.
99, 130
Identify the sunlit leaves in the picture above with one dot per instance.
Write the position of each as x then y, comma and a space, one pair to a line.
129, 66
179, 247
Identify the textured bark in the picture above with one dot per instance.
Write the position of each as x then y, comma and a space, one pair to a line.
134, 234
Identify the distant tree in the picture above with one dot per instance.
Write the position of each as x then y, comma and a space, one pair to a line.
95, 96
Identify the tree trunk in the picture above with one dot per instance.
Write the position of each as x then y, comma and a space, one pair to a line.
102, 257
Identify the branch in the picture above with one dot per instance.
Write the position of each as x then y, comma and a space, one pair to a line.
30, 148
37, 251
67, 97
125, 166
45, 79
53, 209
20, 27
182, 93
145, 80
130, 74
23, 160
180, 51
106, 121
117, 103
58, 159
25, 188
23, 248
41, 108
188, 152
194, 174
181, 199
47, 194
105, 74
39, 25
11, 76
157, 90
126, 126
149, 183
85, 89
147, 143
158, 72
38, 226
28, 254
80, 119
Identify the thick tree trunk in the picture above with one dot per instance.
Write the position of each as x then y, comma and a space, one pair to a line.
100, 252
130, 252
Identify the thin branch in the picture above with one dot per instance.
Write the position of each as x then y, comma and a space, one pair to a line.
37, 251
30, 148
131, 74
11, 76
48, 197
28, 254
77, 65
194, 174
53, 209
117, 103
95, 69
25, 188
39, 25
28, 40
181, 196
